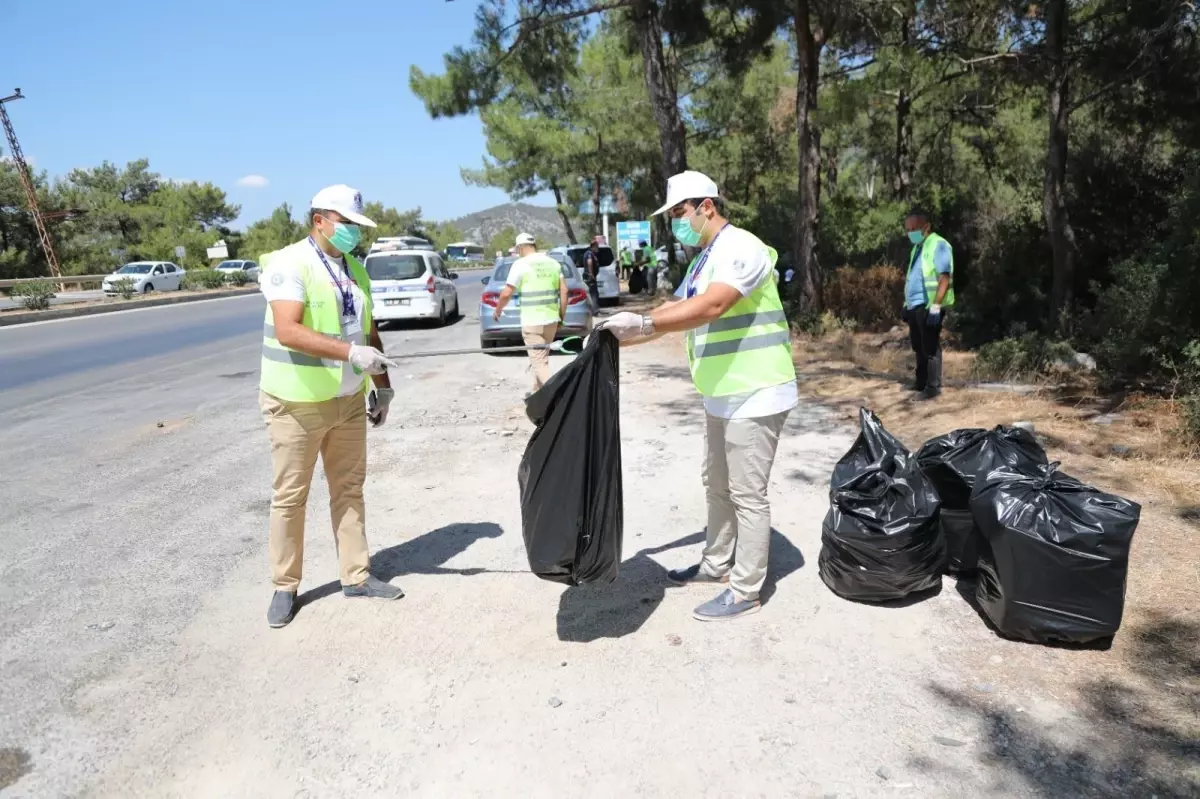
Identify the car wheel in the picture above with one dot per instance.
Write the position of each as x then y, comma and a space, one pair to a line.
149, 287
442, 315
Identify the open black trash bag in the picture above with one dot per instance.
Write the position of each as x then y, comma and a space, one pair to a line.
880, 541
570, 474
952, 462
1054, 557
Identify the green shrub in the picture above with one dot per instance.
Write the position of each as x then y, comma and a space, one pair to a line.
203, 279
125, 287
34, 295
870, 297
1024, 357
238, 278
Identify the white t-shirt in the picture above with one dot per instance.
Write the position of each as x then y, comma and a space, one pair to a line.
736, 258
284, 282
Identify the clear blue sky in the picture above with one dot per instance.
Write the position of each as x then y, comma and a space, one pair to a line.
302, 93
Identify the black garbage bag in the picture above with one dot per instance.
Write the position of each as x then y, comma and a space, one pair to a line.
880, 541
952, 461
570, 474
1055, 554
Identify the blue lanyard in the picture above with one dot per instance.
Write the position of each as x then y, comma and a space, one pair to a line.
703, 259
347, 293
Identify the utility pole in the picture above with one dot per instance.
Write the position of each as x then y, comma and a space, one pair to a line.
27, 182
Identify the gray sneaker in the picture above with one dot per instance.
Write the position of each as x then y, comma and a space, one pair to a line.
373, 587
725, 607
694, 575
282, 609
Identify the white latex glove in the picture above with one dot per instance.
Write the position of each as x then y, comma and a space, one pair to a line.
378, 404
935, 314
370, 360
626, 325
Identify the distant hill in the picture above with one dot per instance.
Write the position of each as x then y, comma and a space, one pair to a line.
542, 222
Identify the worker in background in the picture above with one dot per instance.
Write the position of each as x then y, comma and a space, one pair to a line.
321, 355
651, 275
740, 355
626, 263
928, 292
591, 273
538, 280
637, 281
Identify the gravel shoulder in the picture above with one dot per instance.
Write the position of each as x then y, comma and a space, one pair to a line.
483, 681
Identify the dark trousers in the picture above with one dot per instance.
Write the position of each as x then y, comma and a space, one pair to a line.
926, 344
593, 292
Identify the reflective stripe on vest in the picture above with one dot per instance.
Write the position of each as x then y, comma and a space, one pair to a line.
748, 348
296, 376
539, 290
929, 273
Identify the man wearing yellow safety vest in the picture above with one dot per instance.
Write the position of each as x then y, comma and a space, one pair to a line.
740, 356
928, 292
319, 346
538, 280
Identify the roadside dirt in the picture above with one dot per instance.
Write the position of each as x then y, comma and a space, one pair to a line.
1141, 698
484, 681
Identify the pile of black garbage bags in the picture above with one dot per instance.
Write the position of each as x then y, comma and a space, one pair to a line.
1049, 554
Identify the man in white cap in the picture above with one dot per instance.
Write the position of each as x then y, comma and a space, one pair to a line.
538, 280
319, 347
740, 355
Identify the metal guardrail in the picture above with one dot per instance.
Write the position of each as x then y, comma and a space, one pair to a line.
65, 279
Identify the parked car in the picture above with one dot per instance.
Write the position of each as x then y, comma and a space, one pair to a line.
507, 330
147, 276
681, 256
608, 283
248, 267
411, 284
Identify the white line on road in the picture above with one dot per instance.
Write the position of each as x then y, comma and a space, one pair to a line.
121, 313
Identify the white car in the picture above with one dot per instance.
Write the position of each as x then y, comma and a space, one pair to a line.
411, 284
681, 257
608, 284
147, 276
248, 267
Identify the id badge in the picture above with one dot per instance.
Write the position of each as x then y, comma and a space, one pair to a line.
352, 330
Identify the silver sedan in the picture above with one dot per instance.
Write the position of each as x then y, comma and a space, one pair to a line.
507, 329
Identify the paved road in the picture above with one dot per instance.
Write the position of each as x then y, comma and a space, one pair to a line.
66, 298
76, 354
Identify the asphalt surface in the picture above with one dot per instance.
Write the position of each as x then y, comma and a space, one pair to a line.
66, 298
58, 359
134, 473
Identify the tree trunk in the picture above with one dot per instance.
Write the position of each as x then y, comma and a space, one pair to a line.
1054, 189
562, 212
902, 180
808, 271
664, 100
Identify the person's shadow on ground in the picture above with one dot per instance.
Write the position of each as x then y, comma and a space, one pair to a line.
614, 610
424, 554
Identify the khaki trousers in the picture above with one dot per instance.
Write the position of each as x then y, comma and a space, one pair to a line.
737, 470
300, 431
539, 360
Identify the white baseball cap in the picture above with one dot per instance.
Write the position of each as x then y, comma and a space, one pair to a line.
688, 186
343, 199
526, 239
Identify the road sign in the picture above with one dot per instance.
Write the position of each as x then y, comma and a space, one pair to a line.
219, 251
180, 252
629, 234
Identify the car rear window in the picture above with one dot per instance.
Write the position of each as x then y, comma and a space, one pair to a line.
604, 253
395, 267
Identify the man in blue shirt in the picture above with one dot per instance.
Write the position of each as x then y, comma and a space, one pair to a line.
928, 291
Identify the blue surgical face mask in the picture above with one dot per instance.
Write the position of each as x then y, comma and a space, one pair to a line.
687, 235
345, 237
916, 236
